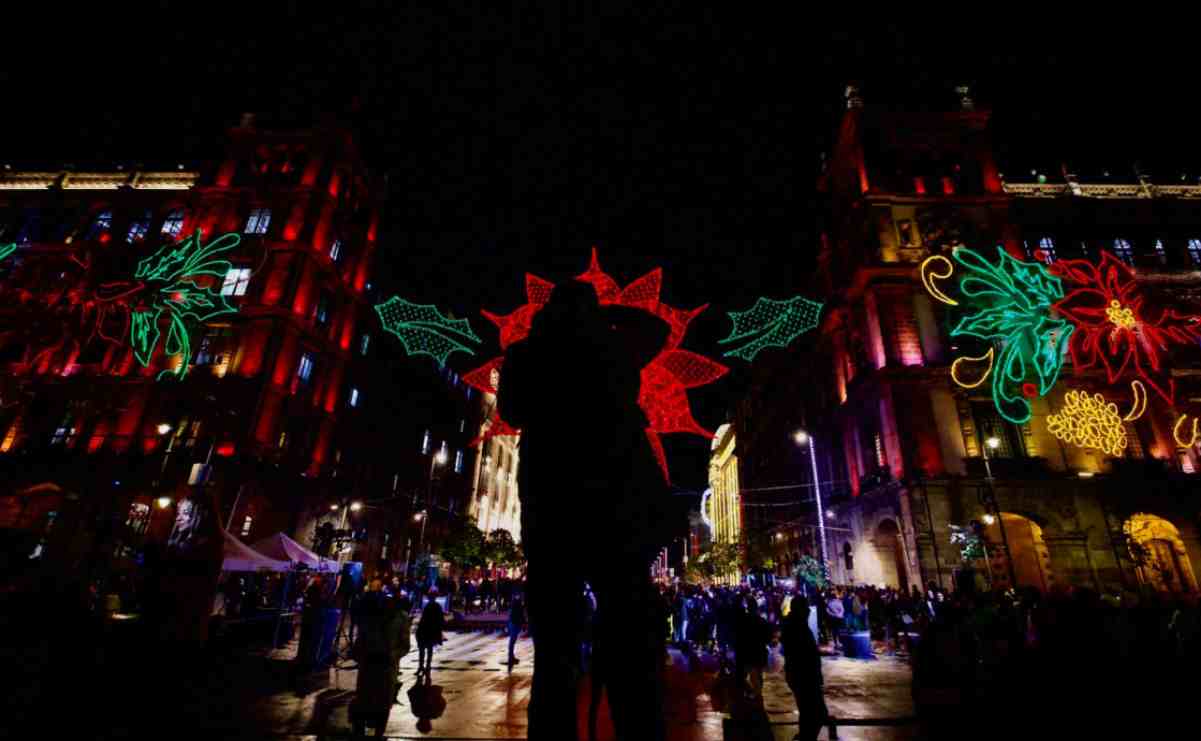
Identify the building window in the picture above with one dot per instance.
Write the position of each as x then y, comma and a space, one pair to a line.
444, 450
236, 282
1194, 251
64, 434
259, 220
282, 443
383, 551
138, 228
173, 224
335, 250
458, 461
246, 523
364, 343
907, 232
425, 443
304, 371
101, 226
321, 312
354, 397
462, 425
1045, 251
1123, 251
990, 424
1160, 253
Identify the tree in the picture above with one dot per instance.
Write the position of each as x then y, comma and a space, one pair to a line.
464, 546
813, 572
501, 550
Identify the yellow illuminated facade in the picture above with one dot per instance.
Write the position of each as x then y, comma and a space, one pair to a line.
723, 506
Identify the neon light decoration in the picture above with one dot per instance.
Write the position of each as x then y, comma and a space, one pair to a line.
1176, 430
665, 381
1115, 329
929, 272
7, 249
705, 499
983, 376
169, 288
1089, 422
772, 324
423, 330
1139, 404
1011, 303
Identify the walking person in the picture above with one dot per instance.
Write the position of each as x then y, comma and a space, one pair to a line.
429, 632
803, 669
516, 623
375, 652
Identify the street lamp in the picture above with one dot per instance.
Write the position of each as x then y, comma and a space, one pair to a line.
163, 428
163, 502
802, 438
989, 500
356, 506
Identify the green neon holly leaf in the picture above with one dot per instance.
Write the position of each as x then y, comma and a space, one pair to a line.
423, 330
771, 323
144, 334
7, 249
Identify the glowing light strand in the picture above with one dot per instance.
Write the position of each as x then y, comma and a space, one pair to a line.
969, 360
929, 273
1089, 422
423, 330
1196, 433
1139, 404
771, 323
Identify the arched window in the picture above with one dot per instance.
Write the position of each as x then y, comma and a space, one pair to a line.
138, 228
173, 224
100, 227
1194, 251
1123, 251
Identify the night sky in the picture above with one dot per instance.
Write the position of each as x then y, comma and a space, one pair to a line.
515, 140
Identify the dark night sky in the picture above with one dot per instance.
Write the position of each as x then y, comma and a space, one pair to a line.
514, 140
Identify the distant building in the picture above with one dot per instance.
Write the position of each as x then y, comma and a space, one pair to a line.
723, 507
495, 504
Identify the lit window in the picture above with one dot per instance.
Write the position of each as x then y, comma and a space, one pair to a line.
321, 312
173, 224
383, 551
425, 443
458, 461
304, 371
364, 344
1123, 251
462, 425
283, 440
236, 282
246, 523
1194, 251
335, 250
354, 397
1160, 253
259, 220
65, 433
1046, 250
444, 451
101, 225
138, 228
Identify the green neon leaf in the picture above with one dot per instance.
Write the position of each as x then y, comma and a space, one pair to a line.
771, 323
144, 334
423, 330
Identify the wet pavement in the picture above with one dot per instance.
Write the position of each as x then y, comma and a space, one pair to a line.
488, 700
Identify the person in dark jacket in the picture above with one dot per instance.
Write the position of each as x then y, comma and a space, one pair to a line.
751, 637
803, 668
516, 623
429, 632
589, 485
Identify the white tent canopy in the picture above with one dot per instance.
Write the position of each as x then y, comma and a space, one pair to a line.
241, 557
282, 548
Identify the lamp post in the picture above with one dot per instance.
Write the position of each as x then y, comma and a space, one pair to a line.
802, 438
990, 503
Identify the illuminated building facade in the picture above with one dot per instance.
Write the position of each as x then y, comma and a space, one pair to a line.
93, 433
910, 442
723, 506
494, 501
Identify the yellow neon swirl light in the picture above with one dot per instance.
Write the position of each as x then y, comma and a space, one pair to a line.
929, 274
965, 359
1140, 401
1176, 432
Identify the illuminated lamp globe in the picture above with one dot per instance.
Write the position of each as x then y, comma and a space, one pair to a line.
989, 519
801, 437
440, 458
163, 428
163, 502
993, 443
830, 514
356, 506
333, 508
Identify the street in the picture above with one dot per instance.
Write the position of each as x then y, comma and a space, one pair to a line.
487, 700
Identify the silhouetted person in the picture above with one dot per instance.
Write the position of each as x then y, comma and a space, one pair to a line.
591, 504
803, 668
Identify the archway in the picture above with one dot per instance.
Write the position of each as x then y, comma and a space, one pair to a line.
890, 552
1161, 560
1031, 559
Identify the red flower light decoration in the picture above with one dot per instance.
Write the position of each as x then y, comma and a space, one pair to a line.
665, 381
1114, 328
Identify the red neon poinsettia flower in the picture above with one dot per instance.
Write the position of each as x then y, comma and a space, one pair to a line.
665, 381
1115, 328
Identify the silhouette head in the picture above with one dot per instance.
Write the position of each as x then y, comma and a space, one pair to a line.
571, 301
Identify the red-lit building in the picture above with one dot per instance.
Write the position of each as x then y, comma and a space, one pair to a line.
905, 445
90, 436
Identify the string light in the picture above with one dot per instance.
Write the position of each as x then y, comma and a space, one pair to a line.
664, 382
966, 359
423, 330
1089, 422
1140, 401
772, 324
929, 273
1176, 429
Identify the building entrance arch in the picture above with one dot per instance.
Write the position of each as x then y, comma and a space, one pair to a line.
890, 552
1160, 557
1031, 559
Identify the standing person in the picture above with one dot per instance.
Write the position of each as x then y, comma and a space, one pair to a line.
836, 613
375, 653
516, 623
429, 632
603, 477
803, 668
750, 646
